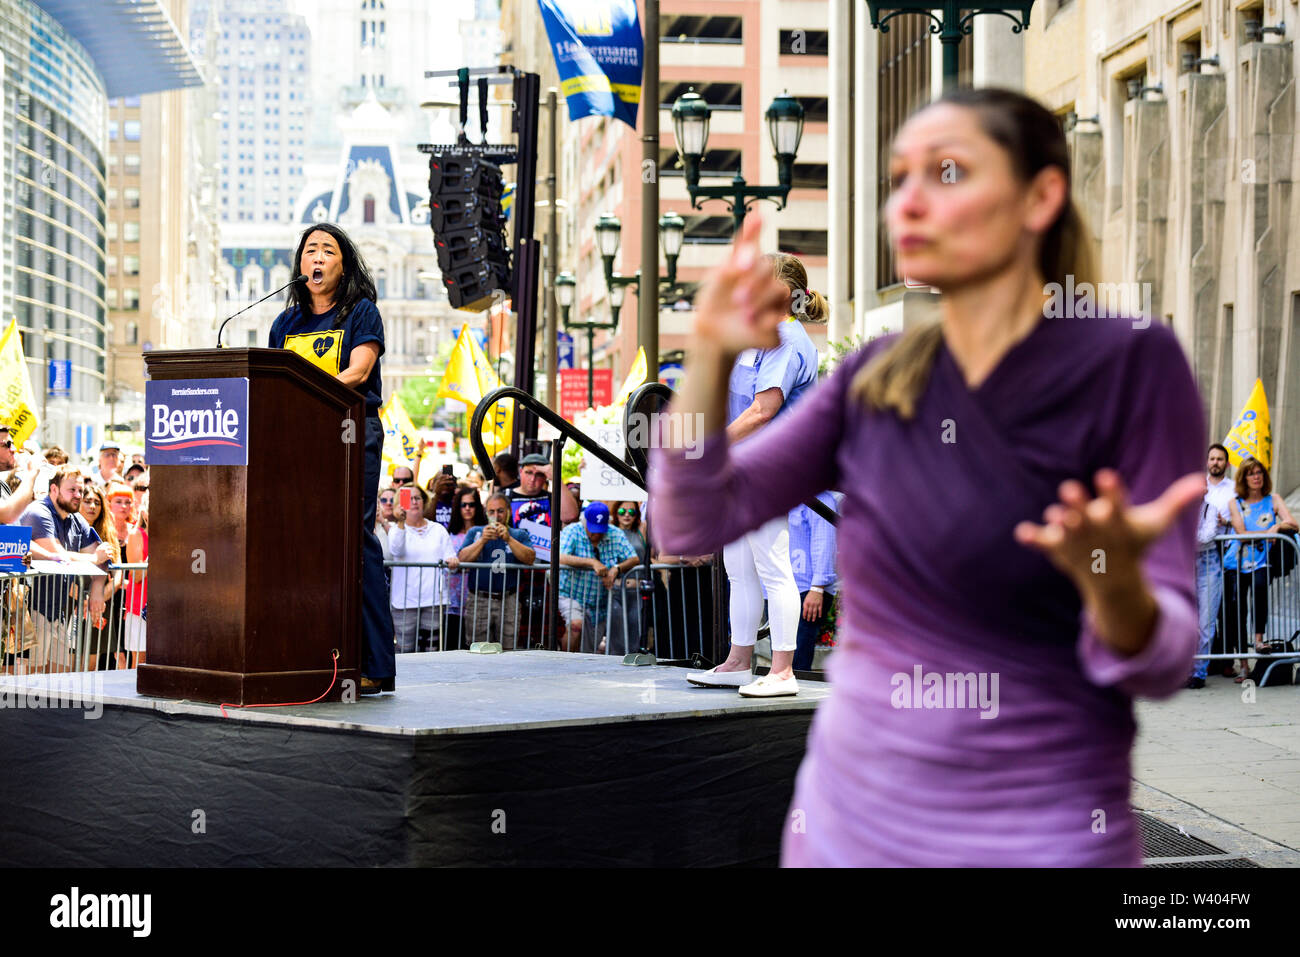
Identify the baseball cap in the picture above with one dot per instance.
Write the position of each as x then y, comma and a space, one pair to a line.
110, 446
536, 458
596, 515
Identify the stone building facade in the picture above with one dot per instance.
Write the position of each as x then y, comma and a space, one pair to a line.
1181, 119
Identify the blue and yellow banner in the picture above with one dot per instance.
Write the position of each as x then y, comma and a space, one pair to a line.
598, 52
1250, 436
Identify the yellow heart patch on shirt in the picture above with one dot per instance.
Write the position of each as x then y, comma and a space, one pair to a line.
321, 349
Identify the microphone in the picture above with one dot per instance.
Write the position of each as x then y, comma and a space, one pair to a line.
299, 278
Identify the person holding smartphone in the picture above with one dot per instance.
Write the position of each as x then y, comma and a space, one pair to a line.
332, 321
442, 493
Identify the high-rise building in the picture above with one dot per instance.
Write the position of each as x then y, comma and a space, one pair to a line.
360, 167
62, 60
263, 73
382, 48
161, 230
738, 56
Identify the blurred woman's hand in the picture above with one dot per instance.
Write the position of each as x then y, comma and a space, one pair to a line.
1099, 543
739, 295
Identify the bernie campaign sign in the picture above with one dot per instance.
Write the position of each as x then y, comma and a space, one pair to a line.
15, 542
196, 421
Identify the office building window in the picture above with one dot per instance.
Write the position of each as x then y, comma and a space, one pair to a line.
131, 162
131, 232
131, 299
130, 265
131, 197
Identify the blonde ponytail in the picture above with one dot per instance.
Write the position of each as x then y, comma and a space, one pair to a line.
895, 379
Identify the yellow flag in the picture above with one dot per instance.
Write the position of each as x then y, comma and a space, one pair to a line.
400, 437
17, 402
469, 377
635, 378
1250, 436
399, 426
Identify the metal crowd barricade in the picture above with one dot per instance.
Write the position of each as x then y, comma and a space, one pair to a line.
46, 626
511, 611
669, 613
1264, 601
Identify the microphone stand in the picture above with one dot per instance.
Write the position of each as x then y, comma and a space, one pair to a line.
222, 328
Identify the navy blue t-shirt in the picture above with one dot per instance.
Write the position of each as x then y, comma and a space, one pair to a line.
73, 533
326, 341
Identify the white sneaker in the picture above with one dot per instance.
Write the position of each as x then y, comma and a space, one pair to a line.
769, 687
713, 678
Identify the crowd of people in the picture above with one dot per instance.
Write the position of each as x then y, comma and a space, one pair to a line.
1232, 579
609, 599
95, 516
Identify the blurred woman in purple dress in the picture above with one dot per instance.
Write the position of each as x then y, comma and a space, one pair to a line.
1003, 599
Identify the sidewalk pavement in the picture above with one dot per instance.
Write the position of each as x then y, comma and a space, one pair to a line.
1224, 767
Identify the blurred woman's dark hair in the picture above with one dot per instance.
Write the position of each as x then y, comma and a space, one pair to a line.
458, 523
355, 284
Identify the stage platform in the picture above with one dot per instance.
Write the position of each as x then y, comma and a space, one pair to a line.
529, 758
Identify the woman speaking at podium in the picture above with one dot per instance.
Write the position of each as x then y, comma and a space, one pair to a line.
332, 322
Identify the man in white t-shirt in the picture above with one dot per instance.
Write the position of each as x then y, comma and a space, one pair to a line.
1215, 519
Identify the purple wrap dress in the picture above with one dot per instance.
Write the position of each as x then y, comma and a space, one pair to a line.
974, 717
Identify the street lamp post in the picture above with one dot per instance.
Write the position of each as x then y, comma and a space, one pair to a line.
691, 127
672, 232
565, 285
954, 21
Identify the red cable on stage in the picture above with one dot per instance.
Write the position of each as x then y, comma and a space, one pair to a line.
287, 704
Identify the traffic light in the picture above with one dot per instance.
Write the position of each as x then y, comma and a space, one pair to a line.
468, 227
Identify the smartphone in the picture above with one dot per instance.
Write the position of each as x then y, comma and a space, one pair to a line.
404, 498
446, 470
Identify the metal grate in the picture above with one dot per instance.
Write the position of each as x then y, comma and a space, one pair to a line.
1163, 845
1222, 862
1163, 840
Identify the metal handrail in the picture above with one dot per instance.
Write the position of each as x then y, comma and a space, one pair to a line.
638, 458
567, 430
562, 425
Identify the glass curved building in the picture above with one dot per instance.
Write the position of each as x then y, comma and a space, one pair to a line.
60, 61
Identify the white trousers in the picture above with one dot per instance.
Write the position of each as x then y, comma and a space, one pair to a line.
756, 562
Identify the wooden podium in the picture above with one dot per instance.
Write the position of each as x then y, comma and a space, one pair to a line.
255, 570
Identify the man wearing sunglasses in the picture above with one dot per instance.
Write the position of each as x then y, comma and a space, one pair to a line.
403, 476
13, 504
